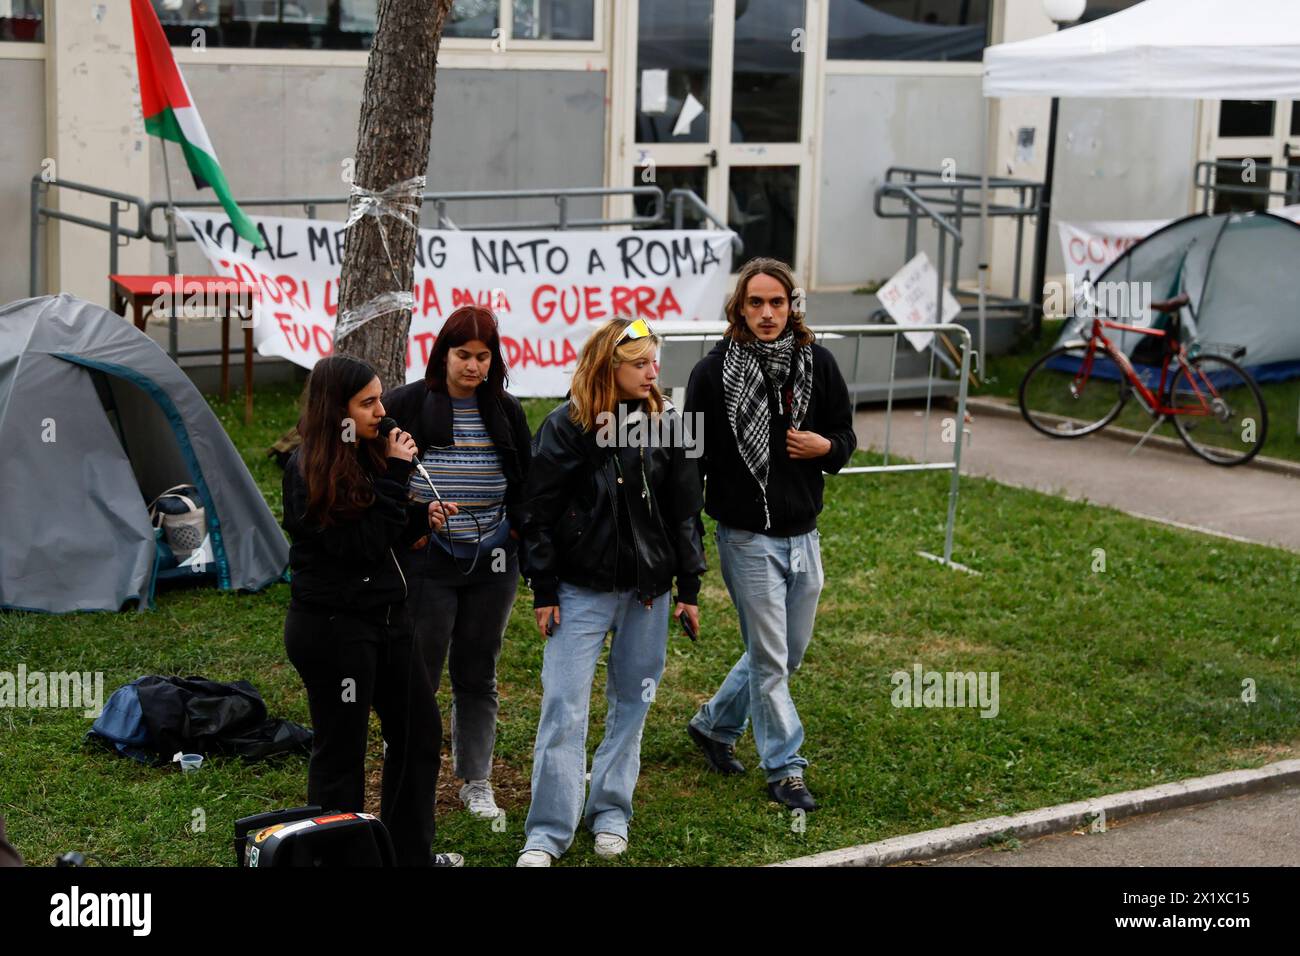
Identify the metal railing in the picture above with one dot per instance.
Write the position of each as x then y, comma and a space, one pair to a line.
969, 361
948, 200
953, 198
122, 227
1207, 182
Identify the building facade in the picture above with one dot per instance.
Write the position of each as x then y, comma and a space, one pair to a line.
783, 115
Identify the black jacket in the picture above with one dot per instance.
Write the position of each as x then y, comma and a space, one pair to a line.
427, 415
352, 564
570, 524
794, 486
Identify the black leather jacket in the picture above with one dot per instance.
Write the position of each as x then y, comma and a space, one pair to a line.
352, 564
570, 514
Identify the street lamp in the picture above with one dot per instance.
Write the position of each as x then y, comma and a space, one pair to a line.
1062, 13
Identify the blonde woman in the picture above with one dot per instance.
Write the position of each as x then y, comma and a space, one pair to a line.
611, 518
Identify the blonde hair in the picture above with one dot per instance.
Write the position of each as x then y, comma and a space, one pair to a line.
735, 308
592, 390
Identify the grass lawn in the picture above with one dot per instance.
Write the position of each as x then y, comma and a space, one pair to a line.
1004, 373
1109, 680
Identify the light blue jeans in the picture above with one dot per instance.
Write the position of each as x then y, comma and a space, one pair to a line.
636, 662
774, 584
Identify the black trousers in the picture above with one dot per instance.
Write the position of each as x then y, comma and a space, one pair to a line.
349, 664
467, 619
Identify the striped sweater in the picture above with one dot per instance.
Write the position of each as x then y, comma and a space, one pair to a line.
467, 472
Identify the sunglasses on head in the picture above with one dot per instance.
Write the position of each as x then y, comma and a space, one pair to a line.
634, 330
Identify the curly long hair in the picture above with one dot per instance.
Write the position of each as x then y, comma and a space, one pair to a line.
592, 390
335, 468
782, 273
466, 324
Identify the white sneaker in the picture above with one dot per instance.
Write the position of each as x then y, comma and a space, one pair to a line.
478, 799
610, 845
534, 858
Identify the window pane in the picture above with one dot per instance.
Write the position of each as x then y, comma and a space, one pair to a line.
908, 29
21, 20
1293, 181
1246, 118
1240, 177
358, 16
767, 76
1295, 117
186, 13
668, 178
271, 24
674, 46
553, 20
763, 208
473, 18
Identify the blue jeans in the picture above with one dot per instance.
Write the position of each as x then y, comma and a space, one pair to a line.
636, 662
775, 584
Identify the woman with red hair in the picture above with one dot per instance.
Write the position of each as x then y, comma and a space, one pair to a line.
475, 449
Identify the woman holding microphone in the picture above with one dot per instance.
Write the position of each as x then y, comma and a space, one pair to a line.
347, 511
609, 522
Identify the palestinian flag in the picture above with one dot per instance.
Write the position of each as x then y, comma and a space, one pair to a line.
169, 113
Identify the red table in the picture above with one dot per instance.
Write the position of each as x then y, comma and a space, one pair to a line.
229, 296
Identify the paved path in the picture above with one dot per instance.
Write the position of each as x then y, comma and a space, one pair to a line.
1257, 830
1170, 486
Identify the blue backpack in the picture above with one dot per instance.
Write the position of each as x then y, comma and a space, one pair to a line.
122, 724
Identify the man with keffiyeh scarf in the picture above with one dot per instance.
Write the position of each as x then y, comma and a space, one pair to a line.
776, 416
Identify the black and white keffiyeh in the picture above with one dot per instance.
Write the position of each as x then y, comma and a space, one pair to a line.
749, 371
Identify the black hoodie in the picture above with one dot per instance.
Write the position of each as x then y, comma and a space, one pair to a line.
794, 486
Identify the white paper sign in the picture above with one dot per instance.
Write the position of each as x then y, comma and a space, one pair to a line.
549, 290
908, 297
690, 109
654, 91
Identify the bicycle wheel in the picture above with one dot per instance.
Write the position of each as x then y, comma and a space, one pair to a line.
1058, 399
1221, 412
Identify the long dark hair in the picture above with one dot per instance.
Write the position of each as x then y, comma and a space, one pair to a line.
466, 324
335, 468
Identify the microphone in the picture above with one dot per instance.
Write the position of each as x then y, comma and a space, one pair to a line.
386, 426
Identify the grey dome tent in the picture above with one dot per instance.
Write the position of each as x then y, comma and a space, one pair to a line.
1240, 272
95, 422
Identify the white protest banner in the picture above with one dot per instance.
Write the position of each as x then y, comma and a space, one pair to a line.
1090, 247
909, 295
548, 289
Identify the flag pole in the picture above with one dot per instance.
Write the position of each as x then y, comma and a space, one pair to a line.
173, 267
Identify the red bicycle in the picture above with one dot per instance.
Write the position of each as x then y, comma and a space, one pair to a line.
1082, 386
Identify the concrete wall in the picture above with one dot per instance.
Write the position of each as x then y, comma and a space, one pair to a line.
95, 133
22, 147
285, 130
871, 123
1122, 159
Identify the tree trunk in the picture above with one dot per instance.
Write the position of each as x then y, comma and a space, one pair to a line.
392, 146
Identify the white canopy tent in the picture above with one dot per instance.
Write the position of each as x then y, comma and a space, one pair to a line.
1188, 49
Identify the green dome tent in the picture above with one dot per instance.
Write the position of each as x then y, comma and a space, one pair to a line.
95, 422
1242, 274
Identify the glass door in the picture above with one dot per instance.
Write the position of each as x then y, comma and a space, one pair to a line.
718, 99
